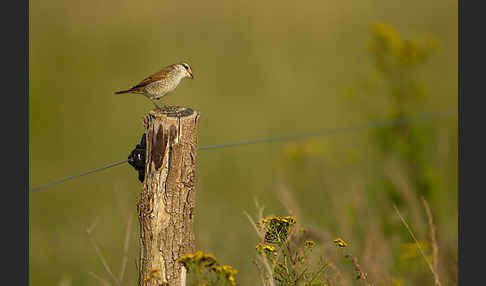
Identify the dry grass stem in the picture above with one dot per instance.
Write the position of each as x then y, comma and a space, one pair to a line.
402, 183
260, 210
264, 260
338, 277
288, 200
93, 225
433, 239
102, 281
418, 245
252, 222
125, 248
99, 253
261, 272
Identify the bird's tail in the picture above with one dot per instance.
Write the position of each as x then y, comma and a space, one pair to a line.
123, 91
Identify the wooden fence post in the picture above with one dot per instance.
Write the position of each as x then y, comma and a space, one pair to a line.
166, 206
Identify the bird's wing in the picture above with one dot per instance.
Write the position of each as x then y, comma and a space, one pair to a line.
153, 77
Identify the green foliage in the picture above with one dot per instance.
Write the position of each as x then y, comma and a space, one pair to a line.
399, 91
393, 55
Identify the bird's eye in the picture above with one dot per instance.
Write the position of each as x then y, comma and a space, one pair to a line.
185, 66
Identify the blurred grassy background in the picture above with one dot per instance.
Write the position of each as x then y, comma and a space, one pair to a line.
262, 68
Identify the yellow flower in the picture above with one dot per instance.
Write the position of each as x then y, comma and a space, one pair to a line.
340, 242
388, 36
267, 250
309, 244
202, 261
152, 273
198, 258
277, 229
392, 53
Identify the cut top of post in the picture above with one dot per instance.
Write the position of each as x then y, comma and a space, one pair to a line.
172, 111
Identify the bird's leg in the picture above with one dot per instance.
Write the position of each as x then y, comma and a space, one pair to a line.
156, 106
163, 106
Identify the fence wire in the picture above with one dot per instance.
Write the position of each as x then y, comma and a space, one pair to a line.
296, 136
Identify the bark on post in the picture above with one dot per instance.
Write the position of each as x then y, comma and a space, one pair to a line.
166, 206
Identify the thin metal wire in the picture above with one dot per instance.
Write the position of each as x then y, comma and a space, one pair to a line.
329, 131
301, 135
77, 176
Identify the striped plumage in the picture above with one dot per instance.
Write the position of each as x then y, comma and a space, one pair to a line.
162, 82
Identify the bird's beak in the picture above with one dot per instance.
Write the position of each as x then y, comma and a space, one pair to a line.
190, 74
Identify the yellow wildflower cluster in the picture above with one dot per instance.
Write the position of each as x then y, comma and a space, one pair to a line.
153, 273
309, 244
227, 272
390, 51
200, 260
277, 229
340, 242
267, 250
287, 219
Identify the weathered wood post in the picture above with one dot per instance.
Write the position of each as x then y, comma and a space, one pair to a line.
166, 206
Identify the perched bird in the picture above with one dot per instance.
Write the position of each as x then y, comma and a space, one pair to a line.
161, 83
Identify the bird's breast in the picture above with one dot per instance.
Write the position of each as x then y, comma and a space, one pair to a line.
163, 86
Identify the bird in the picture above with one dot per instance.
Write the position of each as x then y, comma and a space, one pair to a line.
158, 84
